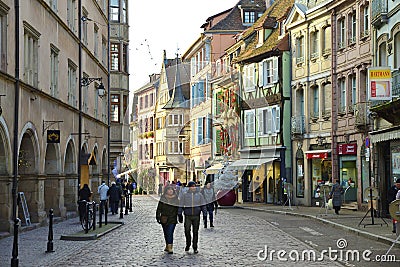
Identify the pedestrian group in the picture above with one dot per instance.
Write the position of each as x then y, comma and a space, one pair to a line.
185, 206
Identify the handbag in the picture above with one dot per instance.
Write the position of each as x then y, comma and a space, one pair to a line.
164, 219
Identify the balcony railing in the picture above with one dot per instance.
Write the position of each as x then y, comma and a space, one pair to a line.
298, 125
379, 12
360, 112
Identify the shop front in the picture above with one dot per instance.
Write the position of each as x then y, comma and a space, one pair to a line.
320, 172
348, 171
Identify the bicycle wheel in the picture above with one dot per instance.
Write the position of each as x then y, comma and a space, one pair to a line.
90, 219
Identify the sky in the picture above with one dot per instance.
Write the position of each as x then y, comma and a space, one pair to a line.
172, 25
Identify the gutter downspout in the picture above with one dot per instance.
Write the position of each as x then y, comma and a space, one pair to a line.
334, 156
14, 259
108, 100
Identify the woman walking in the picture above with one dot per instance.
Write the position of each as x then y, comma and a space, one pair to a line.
166, 215
336, 195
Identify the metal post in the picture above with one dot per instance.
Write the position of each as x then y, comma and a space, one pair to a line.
87, 218
130, 202
106, 211
94, 215
121, 213
126, 204
14, 260
101, 213
50, 236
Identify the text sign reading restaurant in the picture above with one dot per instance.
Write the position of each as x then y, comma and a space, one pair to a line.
347, 149
379, 83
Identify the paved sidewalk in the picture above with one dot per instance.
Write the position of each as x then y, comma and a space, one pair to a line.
348, 220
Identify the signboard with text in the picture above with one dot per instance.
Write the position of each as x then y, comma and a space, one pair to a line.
347, 149
379, 83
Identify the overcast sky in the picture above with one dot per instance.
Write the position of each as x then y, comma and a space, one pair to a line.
165, 25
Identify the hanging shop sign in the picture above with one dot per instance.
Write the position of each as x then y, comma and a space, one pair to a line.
379, 83
53, 136
347, 149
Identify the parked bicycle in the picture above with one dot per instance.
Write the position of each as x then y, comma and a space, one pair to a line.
87, 214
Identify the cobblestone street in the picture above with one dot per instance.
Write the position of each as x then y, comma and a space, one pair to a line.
140, 243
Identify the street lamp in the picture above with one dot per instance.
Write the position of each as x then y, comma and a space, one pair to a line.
86, 81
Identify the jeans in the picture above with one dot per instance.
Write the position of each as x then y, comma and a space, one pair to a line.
189, 221
210, 214
114, 207
168, 230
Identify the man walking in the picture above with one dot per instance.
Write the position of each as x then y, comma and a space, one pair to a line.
102, 190
191, 204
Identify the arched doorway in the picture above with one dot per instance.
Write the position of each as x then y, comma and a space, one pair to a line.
5, 179
53, 185
29, 183
71, 178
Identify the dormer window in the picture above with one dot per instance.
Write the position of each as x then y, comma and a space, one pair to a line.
249, 17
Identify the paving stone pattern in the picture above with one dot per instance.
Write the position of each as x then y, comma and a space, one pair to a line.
235, 241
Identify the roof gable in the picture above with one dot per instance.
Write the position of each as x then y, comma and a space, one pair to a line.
297, 14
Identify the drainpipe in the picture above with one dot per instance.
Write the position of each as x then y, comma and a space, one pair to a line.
14, 259
108, 100
334, 156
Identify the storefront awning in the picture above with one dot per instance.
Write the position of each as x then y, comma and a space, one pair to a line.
318, 154
123, 173
214, 168
386, 136
249, 164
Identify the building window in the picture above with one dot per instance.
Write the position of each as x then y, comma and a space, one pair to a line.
326, 99
249, 77
353, 90
300, 50
96, 41
249, 123
85, 27
342, 87
72, 83
53, 5
175, 119
300, 102
249, 17
125, 106
268, 120
326, 41
114, 10
3, 39
115, 108
315, 101
342, 33
382, 56
314, 45
104, 58
31, 60
365, 21
125, 58
123, 17
269, 72
71, 17
353, 28
396, 53
114, 56
54, 70
175, 147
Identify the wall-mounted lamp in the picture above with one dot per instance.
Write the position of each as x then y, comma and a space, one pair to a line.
100, 89
320, 140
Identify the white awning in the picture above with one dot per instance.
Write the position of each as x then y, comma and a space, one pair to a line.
249, 164
381, 137
214, 168
124, 173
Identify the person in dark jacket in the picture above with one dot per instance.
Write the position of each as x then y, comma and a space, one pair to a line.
191, 204
211, 203
336, 195
115, 196
84, 195
166, 215
391, 196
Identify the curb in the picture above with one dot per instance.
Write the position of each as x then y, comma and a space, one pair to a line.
365, 234
81, 236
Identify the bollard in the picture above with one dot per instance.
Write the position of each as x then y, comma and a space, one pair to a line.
121, 213
50, 237
14, 259
87, 218
101, 213
106, 211
126, 204
130, 202
94, 215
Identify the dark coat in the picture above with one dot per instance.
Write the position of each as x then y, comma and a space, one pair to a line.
115, 193
85, 193
192, 203
168, 207
391, 195
336, 195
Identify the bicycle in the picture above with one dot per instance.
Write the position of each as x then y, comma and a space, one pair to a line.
86, 214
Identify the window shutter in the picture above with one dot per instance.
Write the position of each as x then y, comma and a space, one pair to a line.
275, 68
278, 120
260, 122
260, 74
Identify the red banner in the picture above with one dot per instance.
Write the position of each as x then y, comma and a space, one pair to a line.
318, 155
347, 149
